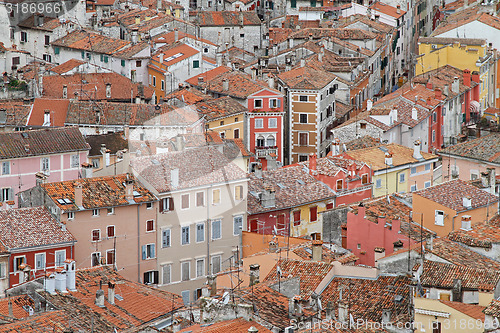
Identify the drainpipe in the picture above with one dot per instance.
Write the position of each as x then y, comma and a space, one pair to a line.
139, 252
453, 222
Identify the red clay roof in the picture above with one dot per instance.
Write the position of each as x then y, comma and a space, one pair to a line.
172, 55
91, 41
209, 75
387, 9
224, 18
67, 66
471, 310
481, 235
58, 109
233, 325
306, 78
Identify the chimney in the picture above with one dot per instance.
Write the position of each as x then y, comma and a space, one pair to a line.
270, 82
111, 292
50, 283
218, 59
11, 309
455, 86
336, 147
268, 197
258, 170
254, 274
446, 90
108, 90
312, 164
46, 118
70, 268
492, 180
467, 202
160, 58
290, 43
485, 179
302, 62
99, 296
438, 94
137, 19
386, 313
159, 4
416, 150
466, 3
466, 222
394, 115
212, 284
174, 177
343, 312
398, 9
129, 189
78, 195
414, 114
65, 91
467, 77
294, 307
475, 76
317, 250
272, 164
134, 35
429, 100
61, 280
321, 53
176, 34
388, 159
369, 105
225, 85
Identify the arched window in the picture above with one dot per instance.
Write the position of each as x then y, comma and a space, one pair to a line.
260, 141
271, 141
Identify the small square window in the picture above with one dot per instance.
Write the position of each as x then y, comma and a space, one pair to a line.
110, 231
150, 225
273, 123
238, 192
95, 212
149, 205
111, 210
303, 98
96, 235
185, 201
215, 196
196, 64
259, 123
242, 35
138, 63
303, 118
257, 103
71, 215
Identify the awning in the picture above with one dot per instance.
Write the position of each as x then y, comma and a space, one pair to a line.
475, 107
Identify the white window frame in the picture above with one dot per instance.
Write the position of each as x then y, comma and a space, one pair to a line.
114, 231
92, 235
202, 260
45, 164
56, 255
196, 236
95, 212
114, 257
154, 225
188, 234
237, 232
3, 270
149, 205
182, 201
44, 261
428, 167
236, 191
378, 183
6, 167
71, 215
110, 210
169, 243
148, 251
98, 259
413, 170
75, 160
212, 229
273, 103
15, 261
436, 214
427, 184
196, 199
402, 177
259, 123
272, 123
189, 270
255, 103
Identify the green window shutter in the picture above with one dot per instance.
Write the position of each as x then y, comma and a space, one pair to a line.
83, 54
313, 3
293, 3
123, 63
196, 64
105, 59
102, 58
56, 50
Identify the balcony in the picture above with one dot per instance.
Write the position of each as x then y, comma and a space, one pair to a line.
263, 152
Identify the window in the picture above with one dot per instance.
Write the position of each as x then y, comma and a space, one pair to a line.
95, 163
436, 327
96, 235
216, 260
138, 63
378, 183
413, 188
427, 166
242, 35
216, 229
200, 199
259, 123
71, 215
24, 36
238, 192
154, 81
149, 205
364, 179
401, 177
257, 103
150, 225
18, 261
166, 274
200, 232
151, 277
293, 4
6, 194
340, 184
165, 238
47, 57
205, 50
270, 141
273, 123
3, 271
96, 259
39, 261
439, 217
296, 218
196, 64
303, 118
185, 274
216, 196
162, 85
110, 257
237, 225
313, 214
123, 64
185, 201
200, 267
303, 158
222, 134
75, 161
362, 125
148, 251
274, 103
236, 133
95, 212
45, 164
303, 139
60, 257
6, 168
47, 40
185, 297
110, 231
260, 141
110, 210
303, 98
166, 205
433, 135
185, 235
16, 61
413, 170
427, 184
106, 59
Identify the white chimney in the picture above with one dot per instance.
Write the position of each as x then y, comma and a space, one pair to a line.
70, 268
65, 91
174, 177
46, 118
50, 283
394, 115
414, 114
108, 90
176, 35
302, 62
369, 105
388, 159
111, 292
61, 280
467, 202
160, 58
99, 297
134, 35
129, 189
225, 85
416, 150
455, 86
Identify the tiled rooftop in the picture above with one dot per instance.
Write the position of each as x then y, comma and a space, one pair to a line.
233, 325
30, 227
458, 19
188, 96
440, 275
41, 142
197, 167
317, 33
44, 23
293, 185
481, 235
484, 149
306, 78
224, 18
493, 309
67, 66
91, 41
16, 113
113, 141
471, 310
185, 51
58, 109
98, 192
219, 108
450, 194
364, 142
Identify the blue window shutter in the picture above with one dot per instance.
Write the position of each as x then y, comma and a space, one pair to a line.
153, 251
83, 55
144, 252
279, 102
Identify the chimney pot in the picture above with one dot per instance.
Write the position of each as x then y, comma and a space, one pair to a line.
416, 150
467, 77
254, 274
78, 195
225, 85
437, 93
312, 164
317, 250
111, 292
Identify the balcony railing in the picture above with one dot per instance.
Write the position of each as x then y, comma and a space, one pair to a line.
262, 152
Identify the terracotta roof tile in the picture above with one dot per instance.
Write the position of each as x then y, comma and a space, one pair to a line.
485, 148
387, 9
188, 96
98, 192
361, 143
233, 325
493, 309
41, 142
91, 41
465, 16
55, 321
33, 227
207, 76
183, 51
471, 310
306, 78
67, 66
450, 194
58, 109
318, 33
17, 306
132, 51
224, 18
481, 235
219, 108
169, 38
48, 23
16, 113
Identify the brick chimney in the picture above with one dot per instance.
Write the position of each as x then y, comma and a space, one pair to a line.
78, 195
467, 77
475, 76
438, 94
429, 85
254, 274
312, 164
129, 189
429, 100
